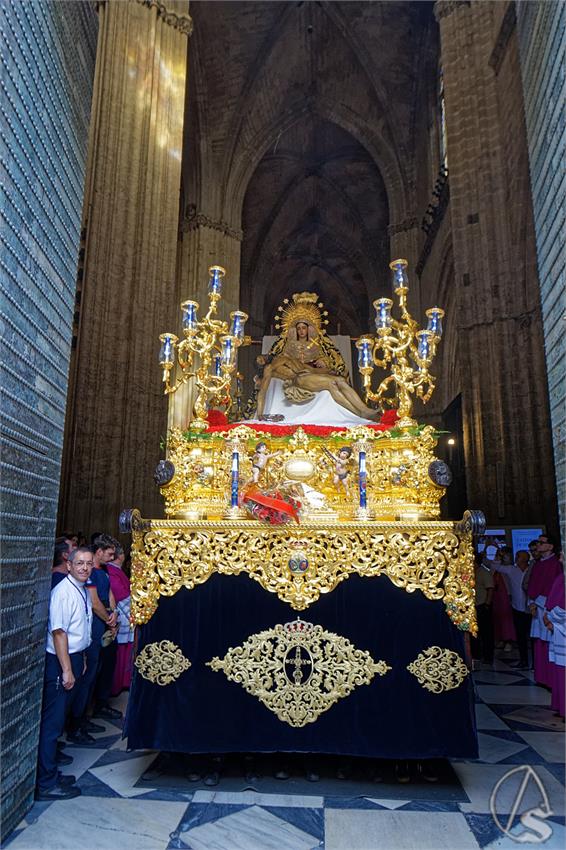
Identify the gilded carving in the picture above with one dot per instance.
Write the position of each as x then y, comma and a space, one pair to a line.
161, 663
298, 670
299, 563
398, 481
438, 669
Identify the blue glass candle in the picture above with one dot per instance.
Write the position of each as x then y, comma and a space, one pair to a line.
435, 315
424, 345
239, 319
215, 281
362, 476
228, 352
234, 480
400, 279
189, 314
364, 346
167, 347
383, 314
218, 366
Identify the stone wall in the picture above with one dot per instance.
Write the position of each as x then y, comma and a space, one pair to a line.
507, 436
47, 74
542, 43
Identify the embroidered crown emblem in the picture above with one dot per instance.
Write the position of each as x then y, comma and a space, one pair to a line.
298, 625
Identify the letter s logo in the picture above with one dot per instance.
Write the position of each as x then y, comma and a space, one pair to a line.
536, 831
530, 820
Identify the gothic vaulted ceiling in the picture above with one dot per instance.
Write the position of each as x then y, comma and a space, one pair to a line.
300, 131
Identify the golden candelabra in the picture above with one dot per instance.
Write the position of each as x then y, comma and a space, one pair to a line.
207, 353
406, 349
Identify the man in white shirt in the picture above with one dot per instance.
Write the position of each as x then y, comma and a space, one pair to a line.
68, 636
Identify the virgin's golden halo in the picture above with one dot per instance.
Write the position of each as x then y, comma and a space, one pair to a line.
304, 307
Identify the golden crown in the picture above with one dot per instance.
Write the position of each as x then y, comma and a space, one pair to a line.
303, 307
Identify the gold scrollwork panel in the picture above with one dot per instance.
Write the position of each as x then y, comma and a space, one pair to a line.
301, 563
438, 669
161, 663
298, 670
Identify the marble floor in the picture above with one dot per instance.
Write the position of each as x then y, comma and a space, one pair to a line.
518, 735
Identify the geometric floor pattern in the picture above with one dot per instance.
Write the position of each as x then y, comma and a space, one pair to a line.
521, 756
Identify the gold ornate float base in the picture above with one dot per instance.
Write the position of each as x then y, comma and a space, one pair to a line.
301, 562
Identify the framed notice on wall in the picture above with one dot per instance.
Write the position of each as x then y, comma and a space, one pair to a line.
521, 537
516, 536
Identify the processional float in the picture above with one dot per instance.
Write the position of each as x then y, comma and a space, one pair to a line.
265, 519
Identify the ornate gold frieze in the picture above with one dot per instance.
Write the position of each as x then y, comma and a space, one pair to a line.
161, 663
301, 562
438, 669
298, 670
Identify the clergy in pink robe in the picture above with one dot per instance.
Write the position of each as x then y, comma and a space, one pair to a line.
542, 577
555, 619
120, 585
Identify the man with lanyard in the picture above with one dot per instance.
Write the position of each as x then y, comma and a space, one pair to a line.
68, 636
105, 618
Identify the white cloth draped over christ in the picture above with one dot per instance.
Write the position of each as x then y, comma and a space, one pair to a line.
304, 378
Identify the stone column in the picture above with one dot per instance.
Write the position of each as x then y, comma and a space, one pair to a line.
117, 412
505, 405
205, 242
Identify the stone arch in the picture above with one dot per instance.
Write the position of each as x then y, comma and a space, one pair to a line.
283, 198
319, 203
378, 149
267, 302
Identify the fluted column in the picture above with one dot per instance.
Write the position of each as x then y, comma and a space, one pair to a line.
116, 410
506, 427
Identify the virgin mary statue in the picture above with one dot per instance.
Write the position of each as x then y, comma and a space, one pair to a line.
305, 379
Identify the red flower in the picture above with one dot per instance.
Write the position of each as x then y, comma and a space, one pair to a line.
389, 418
217, 422
216, 419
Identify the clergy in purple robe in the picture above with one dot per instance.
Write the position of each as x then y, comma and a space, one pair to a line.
542, 577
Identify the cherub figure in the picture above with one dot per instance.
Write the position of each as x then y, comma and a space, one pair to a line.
341, 467
259, 460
